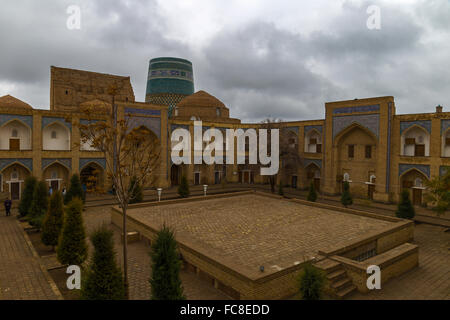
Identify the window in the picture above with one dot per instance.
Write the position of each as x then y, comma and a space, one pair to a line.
419, 150
407, 184
54, 174
176, 112
218, 112
368, 152
14, 133
14, 175
53, 134
318, 148
447, 141
351, 151
346, 177
410, 141
418, 182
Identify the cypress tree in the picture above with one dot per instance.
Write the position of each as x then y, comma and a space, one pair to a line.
346, 197
39, 204
312, 194
165, 279
136, 191
53, 220
103, 279
72, 247
312, 282
405, 208
27, 196
183, 189
75, 190
280, 190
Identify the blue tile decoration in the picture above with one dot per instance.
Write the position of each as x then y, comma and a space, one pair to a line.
426, 124
153, 124
368, 108
317, 162
368, 121
293, 129
147, 112
28, 120
424, 168
100, 161
49, 161
176, 126
445, 124
443, 170
48, 120
309, 128
28, 163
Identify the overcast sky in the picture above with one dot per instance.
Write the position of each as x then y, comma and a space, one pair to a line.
280, 58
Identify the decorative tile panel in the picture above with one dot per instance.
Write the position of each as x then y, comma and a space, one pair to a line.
425, 169
426, 124
65, 161
368, 108
28, 163
48, 120
100, 161
307, 162
369, 121
24, 118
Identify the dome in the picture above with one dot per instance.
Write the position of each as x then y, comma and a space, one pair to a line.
201, 99
9, 101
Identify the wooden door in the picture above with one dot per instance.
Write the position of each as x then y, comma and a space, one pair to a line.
14, 144
54, 184
246, 177
240, 177
417, 196
317, 184
15, 190
197, 178
370, 190
217, 177
294, 182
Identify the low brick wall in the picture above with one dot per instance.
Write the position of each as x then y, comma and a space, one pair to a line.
392, 263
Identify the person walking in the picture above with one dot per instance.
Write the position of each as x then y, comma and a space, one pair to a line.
50, 191
64, 191
8, 204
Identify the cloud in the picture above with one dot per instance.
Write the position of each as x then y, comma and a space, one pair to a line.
284, 61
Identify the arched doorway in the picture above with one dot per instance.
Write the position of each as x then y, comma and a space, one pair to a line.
91, 175
56, 175
313, 175
56, 136
414, 181
15, 136
13, 178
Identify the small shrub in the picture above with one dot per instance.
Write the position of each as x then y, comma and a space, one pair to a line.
72, 247
39, 204
75, 190
405, 208
103, 279
27, 196
53, 220
312, 194
311, 283
346, 197
183, 188
165, 279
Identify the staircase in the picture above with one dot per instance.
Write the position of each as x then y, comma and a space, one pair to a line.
339, 283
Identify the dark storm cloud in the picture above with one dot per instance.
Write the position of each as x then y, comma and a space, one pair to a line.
257, 68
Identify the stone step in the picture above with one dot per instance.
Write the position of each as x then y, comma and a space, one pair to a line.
328, 265
341, 284
346, 291
336, 275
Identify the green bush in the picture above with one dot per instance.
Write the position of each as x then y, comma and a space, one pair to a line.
311, 283
72, 247
165, 279
136, 191
346, 197
27, 196
39, 204
312, 194
103, 279
53, 220
75, 190
405, 208
183, 188
280, 190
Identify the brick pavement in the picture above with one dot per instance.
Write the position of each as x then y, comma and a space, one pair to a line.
21, 275
431, 279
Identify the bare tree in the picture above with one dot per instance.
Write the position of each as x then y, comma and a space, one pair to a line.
289, 156
131, 150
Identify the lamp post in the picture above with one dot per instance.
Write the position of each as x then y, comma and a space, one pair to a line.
159, 193
205, 187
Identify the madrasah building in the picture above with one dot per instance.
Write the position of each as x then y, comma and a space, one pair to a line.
362, 141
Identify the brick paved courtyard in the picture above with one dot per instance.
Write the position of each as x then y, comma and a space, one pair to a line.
21, 277
246, 231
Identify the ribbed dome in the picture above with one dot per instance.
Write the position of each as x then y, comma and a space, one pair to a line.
9, 101
201, 99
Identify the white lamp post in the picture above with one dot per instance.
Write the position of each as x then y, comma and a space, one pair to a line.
159, 193
205, 187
